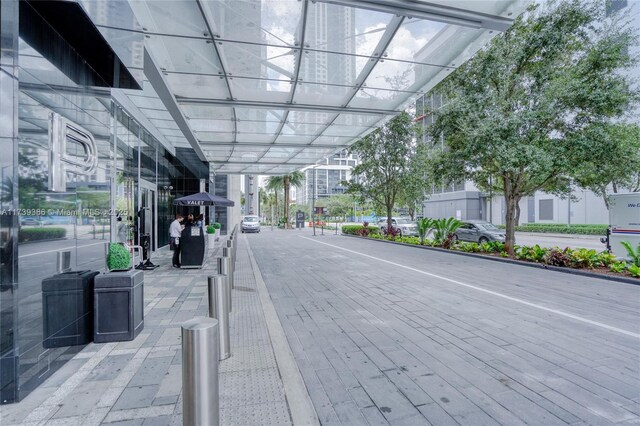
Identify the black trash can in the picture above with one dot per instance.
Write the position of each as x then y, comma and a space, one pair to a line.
67, 309
119, 306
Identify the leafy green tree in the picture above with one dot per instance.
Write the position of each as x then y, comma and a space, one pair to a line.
285, 182
383, 163
416, 179
523, 109
338, 205
621, 143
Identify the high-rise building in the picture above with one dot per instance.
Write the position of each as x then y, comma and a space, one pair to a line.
326, 179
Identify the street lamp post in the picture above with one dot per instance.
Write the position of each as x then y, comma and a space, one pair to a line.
313, 202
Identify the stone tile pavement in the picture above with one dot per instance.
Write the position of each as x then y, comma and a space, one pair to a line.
139, 382
386, 334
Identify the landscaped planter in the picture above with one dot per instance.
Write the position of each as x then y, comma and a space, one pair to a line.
498, 258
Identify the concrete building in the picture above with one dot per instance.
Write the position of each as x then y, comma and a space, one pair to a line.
325, 179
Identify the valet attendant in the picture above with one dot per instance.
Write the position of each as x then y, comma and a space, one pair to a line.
175, 231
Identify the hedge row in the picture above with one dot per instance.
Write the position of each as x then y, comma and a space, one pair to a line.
355, 229
37, 234
559, 228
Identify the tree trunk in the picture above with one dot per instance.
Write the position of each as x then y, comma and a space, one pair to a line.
275, 193
389, 213
285, 182
518, 213
511, 220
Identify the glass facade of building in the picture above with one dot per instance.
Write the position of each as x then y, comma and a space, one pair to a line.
134, 170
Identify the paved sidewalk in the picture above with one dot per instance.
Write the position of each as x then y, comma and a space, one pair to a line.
388, 334
139, 382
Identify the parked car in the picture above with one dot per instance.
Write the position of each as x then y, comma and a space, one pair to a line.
404, 227
479, 231
35, 220
250, 224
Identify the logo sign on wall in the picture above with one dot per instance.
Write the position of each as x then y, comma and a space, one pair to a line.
63, 135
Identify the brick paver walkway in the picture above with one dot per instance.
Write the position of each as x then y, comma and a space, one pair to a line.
391, 334
139, 382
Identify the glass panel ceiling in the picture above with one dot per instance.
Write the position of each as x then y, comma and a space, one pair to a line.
259, 51
197, 86
332, 68
258, 61
264, 22
215, 137
178, 54
260, 114
260, 90
207, 125
175, 17
343, 29
207, 111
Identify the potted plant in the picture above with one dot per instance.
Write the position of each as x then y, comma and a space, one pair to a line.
123, 287
213, 233
118, 258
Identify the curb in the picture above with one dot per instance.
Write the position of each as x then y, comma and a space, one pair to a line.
300, 406
572, 271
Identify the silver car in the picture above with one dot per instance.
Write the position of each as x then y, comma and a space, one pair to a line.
478, 231
250, 224
405, 227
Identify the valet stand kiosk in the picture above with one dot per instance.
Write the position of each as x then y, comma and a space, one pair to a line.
144, 239
192, 247
193, 240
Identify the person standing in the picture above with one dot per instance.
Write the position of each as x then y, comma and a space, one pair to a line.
175, 231
123, 231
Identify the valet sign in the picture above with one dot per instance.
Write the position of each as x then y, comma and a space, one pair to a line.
195, 203
65, 137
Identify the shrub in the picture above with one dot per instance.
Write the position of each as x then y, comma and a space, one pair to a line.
216, 225
392, 232
559, 228
118, 257
424, 226
606, 259
634, 255
443, 231
211, 229
467, 247
356, 230
492, 247
634, 270
532, 254
409, 240
38, 234
557, 257
618, 267
584, 258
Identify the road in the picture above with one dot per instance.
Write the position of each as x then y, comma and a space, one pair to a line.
390, 334
560, 240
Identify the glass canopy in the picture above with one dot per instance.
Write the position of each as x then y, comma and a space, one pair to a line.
269, 86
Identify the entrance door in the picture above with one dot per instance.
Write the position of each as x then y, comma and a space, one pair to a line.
149, 200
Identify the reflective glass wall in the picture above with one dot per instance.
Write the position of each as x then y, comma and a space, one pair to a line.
133, 171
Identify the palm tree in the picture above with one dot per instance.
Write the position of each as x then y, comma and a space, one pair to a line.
285, 182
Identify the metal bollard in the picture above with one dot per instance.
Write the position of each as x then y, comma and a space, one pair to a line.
230, 246
228, 253
200, 397
224, 269
219, 309
63, 261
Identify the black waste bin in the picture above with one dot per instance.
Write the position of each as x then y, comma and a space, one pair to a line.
67, 309
119, 306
